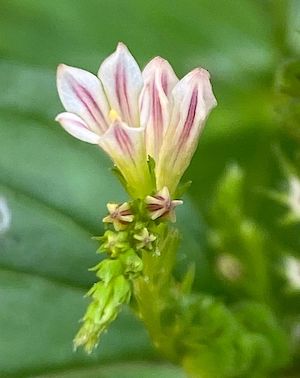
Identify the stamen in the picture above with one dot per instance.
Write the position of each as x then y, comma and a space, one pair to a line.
114, 115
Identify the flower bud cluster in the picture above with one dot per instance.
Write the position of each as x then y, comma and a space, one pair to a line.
132, 230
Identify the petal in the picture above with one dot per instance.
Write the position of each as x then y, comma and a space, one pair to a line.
150, 200
159, 80
111, 207
81, 93
126, 147
107, 219
125, 208
164, 73
177, 203
164, 193
157, 213
75, 126
193, 101
122, 81
127, 218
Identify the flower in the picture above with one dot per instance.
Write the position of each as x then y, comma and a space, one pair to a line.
119, 215
161, 205
132, 115
145, 239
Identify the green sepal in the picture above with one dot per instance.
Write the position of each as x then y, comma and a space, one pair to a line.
151, 167
131, 261
108, 269
122, 291
114, 243
188, 280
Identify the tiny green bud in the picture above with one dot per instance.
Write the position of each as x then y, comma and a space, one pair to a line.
114, 243
132, 262
122, 290
109, 269
107, 299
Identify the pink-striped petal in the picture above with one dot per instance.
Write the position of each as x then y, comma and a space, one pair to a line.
126, 147
75, 126
193, 101
159, 80
82, 93
122, 81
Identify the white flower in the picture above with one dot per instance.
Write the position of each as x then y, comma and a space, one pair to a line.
133, 114
119, 215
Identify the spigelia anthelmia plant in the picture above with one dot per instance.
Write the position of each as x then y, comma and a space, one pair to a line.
148, 122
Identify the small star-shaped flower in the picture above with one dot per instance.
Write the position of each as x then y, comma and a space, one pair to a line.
161, 205
145, 239
119, 215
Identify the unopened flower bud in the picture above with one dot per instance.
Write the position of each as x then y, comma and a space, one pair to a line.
145, 239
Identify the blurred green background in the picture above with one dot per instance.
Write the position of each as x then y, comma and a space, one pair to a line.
56, 187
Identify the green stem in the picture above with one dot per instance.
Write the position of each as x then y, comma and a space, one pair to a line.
153, 292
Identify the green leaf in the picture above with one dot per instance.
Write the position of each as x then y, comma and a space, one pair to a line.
124, 370
39, 318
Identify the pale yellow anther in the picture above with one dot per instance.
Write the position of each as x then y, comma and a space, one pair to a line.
114, 115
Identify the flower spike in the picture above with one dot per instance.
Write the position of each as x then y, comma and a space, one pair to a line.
119, 215
161, 205
148, 123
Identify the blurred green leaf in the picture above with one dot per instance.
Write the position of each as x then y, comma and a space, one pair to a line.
38, 319
125, 370
72, 31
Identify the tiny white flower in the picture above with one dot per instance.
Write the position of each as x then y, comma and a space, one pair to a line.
161, 205
145, 239
5, 216
119, 215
